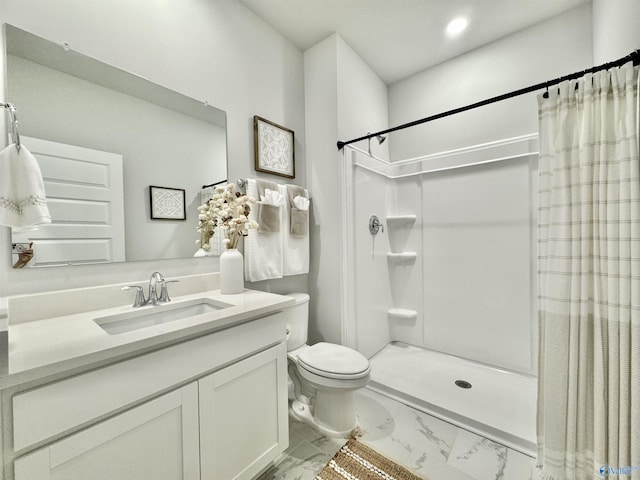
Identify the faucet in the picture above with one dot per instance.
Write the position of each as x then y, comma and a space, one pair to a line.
153, 293
153, 298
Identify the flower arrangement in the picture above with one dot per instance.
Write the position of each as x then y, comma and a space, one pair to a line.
228, 209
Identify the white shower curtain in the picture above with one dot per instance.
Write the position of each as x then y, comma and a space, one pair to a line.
589, 279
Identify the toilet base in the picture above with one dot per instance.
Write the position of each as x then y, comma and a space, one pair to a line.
302, 412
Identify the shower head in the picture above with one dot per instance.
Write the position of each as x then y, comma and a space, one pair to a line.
380, 139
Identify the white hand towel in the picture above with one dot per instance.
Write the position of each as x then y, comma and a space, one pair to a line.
272, 197
22, 198
262, 251
296, 248
301, 203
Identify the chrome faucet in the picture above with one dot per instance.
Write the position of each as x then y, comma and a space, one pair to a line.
156, 277
153, 297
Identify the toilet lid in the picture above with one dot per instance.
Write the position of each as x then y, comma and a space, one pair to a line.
334, 359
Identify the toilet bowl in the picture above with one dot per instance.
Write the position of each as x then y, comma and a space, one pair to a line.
324, 376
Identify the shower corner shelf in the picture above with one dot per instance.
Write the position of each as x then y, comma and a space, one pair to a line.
402, 257
401, 219
401, 314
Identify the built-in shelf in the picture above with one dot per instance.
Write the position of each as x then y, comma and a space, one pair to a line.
398, 220
402, 257
401, 314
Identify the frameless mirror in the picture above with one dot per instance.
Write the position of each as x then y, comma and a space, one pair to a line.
124, 160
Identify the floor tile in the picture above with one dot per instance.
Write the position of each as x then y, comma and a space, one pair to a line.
428, 446
303, 463
519, 466
478, 457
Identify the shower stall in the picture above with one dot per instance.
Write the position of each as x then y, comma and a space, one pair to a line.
442, 297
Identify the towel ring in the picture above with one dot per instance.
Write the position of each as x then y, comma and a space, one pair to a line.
15, 134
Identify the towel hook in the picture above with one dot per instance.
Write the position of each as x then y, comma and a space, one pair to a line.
15, 135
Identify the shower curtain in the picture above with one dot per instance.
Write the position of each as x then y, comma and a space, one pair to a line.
589, 279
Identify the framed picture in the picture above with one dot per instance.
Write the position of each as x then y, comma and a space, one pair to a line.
167, 203
274, 151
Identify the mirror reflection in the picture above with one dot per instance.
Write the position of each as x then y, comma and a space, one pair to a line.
103, 138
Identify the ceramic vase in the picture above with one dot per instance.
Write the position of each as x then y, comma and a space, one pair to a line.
231, 272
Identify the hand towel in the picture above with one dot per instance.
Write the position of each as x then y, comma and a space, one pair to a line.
298, 215
22, 198
270, 211
263, 185
262, 251
296, 248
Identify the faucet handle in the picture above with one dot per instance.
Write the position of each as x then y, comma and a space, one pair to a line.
164, 291
140, 300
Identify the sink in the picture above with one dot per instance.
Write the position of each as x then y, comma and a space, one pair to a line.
157, 315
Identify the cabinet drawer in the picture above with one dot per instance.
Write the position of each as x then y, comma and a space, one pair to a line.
54, 409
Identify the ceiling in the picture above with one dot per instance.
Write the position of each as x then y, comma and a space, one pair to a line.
398, 38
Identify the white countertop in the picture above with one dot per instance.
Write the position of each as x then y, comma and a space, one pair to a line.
51, 346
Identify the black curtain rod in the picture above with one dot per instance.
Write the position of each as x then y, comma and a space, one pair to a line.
214, 184
632, 57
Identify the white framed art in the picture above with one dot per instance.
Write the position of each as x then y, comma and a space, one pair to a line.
274, 148
167, 203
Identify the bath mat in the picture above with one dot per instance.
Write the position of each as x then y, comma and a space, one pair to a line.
356, 461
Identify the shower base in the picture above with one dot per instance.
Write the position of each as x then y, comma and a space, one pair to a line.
500, 405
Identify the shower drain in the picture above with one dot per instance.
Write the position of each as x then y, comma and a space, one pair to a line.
463, 384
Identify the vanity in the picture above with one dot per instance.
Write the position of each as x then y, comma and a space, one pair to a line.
96, 389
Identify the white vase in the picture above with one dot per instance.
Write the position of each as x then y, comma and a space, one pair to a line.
231, 272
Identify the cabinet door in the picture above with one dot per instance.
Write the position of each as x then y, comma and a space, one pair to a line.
243, 416
157, 440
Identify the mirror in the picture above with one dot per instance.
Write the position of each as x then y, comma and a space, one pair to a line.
103, 138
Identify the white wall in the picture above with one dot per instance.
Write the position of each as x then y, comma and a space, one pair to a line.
362, 100
343, 97
616, 29
548, 50
321, 109
212, 50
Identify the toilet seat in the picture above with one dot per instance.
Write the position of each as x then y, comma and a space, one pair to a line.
334, 361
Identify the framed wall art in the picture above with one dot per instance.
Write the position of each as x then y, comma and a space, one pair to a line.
273, 145
167, 203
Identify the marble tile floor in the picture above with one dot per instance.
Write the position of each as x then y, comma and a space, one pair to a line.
428, 446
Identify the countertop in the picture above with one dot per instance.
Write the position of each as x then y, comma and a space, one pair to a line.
62, 345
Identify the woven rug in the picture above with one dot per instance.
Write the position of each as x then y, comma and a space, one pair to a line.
356, 461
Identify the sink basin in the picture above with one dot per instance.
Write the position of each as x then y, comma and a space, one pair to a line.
157, 315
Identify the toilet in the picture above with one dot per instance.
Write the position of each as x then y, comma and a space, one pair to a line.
322, 377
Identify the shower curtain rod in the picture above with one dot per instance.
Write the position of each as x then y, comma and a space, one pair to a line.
633, 57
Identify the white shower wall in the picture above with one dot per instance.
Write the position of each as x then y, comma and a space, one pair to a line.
372, 292
471, 284
477, 263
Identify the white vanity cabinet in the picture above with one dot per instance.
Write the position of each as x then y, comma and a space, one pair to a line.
243, 416
209, 408
156, 440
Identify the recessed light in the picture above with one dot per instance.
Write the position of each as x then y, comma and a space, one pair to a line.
456, 26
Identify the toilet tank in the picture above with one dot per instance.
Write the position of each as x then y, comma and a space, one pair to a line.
297, 318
